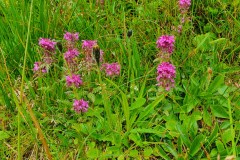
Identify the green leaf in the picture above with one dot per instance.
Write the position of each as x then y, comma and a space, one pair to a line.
202, 42
92, 97
206, 117
138, 103
121, 157
216, 84
213, 135
170, 149
171, 126
135, 137
148, 151
163, 154
133, 153
147, 130
227, 136
183, 135
237, 126
93, 153
220, 146
150, 108
196, 144
219, 111
3, 135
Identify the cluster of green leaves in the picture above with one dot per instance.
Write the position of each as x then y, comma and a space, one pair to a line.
129, 116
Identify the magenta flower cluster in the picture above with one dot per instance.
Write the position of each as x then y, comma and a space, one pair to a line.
47, 44
72, 37
165, 75
74, 80
48, 47
72, 52
88, 44
80, 105
70, 55
111, 69
166, 71
184, 4
166, 43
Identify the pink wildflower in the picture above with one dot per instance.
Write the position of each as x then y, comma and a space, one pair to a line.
88, 44
166, 43
80, 105
47, 44
166, 73
184, 4
74, 80
71, 36
71, 54
111, 69
37, 67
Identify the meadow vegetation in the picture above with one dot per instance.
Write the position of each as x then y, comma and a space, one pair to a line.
157, 80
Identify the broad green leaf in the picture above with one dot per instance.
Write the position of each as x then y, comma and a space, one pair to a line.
171, 126
135, 137
170, 149
150, 108
183, 135
163, 154
194, 129
133, 153
148, 151
227, 136
207, 117
121, 157
116, 139
213, 153
219, 111
216, 84
226, 124
115, 150
196, 144
138, 103
220, 146
93, 153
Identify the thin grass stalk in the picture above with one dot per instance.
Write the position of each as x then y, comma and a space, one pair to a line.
5, 65
40, 132
22, 82
231, 127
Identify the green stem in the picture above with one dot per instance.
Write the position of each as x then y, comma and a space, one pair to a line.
231, 127
105, 99
22, 82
